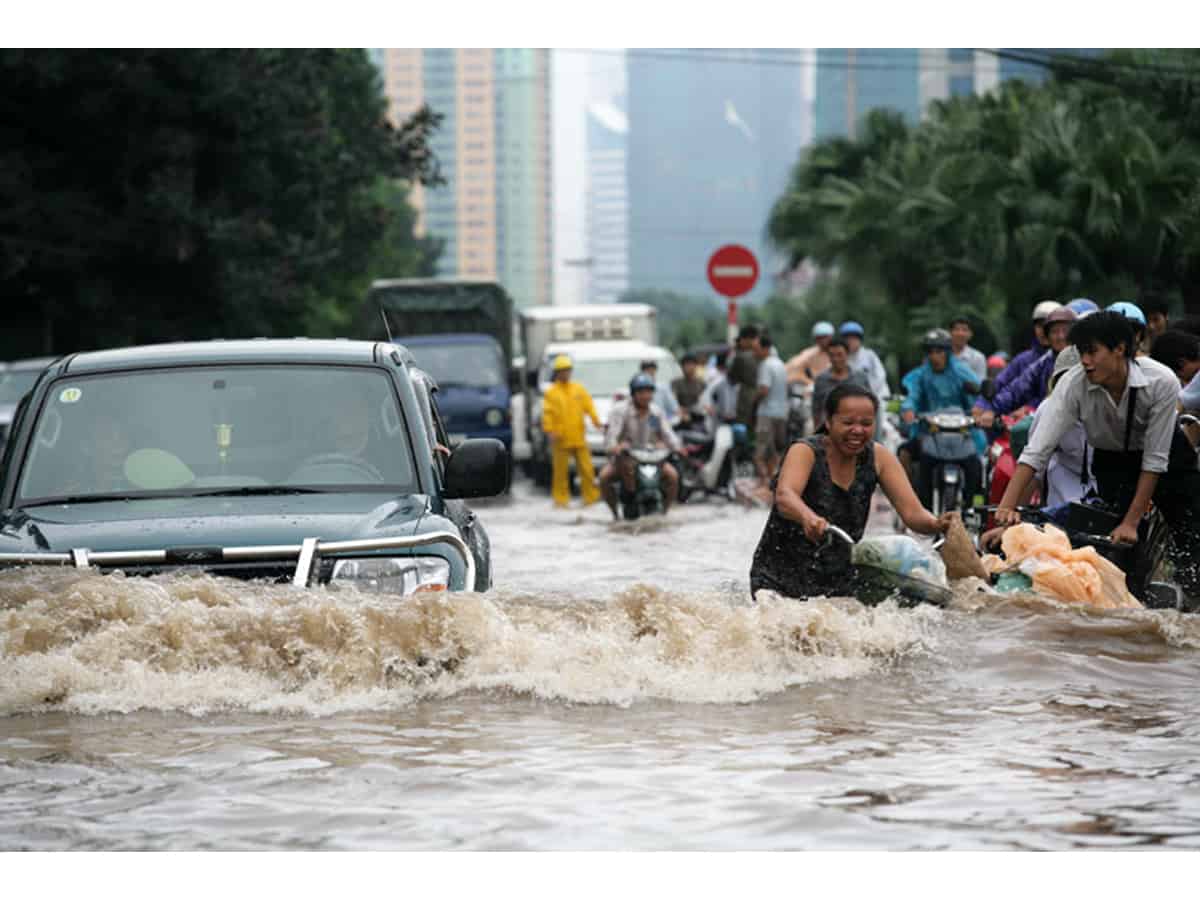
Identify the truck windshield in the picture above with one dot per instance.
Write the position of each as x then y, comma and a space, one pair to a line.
210, 429
602, 377
476, 365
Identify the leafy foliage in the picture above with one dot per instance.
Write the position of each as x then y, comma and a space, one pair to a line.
167, 194
1086, 186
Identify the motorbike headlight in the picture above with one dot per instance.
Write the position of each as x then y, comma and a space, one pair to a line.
494, 417
401, 575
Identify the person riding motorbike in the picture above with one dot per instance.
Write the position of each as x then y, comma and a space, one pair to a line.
1031, 387
941, 382
1128, 410
1028, 357
688, 389
637, 423
805, 366
864, 359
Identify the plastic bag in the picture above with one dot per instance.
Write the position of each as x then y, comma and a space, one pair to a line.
1073, 575
900, 554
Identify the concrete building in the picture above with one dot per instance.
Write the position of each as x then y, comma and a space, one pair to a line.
494, 211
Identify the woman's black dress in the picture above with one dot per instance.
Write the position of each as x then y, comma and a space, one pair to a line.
786, 561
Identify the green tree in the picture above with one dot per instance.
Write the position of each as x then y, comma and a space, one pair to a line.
166, 194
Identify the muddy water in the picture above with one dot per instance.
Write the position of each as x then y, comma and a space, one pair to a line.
617, 690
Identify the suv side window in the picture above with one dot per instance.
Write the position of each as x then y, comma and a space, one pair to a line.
424, 390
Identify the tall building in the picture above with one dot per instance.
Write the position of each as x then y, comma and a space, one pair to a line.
713, 136
494, 149
852, 82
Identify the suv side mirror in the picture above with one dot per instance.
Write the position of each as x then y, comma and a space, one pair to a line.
478, 467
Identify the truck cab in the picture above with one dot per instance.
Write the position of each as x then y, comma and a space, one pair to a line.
473, 384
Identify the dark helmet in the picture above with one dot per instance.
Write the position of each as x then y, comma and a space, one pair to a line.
936, 339
640, 382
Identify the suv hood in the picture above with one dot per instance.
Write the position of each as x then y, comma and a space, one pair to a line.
153, 524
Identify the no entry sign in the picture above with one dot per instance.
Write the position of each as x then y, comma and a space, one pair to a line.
732, 270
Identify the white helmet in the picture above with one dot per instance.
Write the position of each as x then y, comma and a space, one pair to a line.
1044, 309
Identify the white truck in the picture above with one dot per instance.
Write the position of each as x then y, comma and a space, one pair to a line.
601, 340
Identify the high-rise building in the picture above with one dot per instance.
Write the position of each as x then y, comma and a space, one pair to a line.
494, 149
713, 136
852, 82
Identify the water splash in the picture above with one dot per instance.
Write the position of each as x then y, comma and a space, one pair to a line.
89, 643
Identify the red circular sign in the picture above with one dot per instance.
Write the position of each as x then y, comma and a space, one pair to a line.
732, 270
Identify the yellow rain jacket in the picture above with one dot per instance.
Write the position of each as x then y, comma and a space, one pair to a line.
563, 410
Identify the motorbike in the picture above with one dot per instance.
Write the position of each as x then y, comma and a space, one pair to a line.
711, 463
948, 443
648, 491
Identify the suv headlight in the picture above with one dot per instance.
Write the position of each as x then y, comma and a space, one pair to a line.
393, 574
494, 417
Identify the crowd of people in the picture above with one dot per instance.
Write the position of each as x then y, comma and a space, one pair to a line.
1102, 401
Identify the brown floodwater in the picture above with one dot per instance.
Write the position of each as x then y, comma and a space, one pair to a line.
617, 689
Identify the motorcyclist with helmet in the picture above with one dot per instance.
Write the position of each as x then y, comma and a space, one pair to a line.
943, 381
637, 423
1030, 389
1028, 357
864, 359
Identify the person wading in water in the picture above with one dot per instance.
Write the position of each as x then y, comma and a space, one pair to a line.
828, 479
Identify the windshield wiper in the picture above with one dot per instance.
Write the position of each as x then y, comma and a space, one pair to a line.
75, 498
255, 491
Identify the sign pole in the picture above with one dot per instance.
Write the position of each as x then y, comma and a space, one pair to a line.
731, 330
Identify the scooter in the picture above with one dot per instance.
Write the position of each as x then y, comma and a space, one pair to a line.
949, 443
709, 467
648, 494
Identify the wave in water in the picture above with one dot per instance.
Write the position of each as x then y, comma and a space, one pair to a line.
88, 643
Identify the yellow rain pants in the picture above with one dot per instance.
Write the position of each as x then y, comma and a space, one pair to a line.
560, 488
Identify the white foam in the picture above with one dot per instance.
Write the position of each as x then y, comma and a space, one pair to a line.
92, 644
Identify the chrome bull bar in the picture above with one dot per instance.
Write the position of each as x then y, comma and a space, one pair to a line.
306, 554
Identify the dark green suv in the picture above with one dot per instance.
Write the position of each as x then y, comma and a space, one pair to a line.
300, 460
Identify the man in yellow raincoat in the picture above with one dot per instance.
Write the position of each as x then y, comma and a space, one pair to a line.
563, 409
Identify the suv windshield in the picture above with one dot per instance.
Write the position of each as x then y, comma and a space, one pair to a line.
461, 364
211, 429
14, 385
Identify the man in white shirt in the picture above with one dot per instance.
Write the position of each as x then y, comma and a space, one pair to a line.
863, 359
770, 424
960, 345
1127, 408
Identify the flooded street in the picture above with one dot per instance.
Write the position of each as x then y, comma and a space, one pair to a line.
616, 690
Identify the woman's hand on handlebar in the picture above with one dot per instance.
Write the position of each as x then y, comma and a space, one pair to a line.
945, 520
814, 527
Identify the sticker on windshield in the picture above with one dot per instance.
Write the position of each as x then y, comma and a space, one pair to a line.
70, 395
